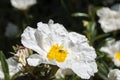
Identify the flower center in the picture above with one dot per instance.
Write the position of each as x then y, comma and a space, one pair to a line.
58, 53
117, 55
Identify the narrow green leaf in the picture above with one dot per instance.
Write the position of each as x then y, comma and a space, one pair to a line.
4, 66
102, 68
101, 36
102, 76
102, 71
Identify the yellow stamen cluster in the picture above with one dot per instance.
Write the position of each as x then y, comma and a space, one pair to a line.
57, 53
117, 55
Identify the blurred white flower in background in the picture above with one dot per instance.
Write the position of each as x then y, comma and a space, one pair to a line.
116, 7
114, 74
108, 1
56, 46
13, 66
109, 19
11, 30
23, 4
112, 48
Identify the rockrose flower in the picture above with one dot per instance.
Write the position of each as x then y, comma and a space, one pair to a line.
23, 4
114, 74
113, 49
56, 46
109, 19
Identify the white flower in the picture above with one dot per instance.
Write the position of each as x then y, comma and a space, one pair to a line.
113, 50
114, 74
61, 73
23, 4
11, 30
58, 47
109, 19
13, 66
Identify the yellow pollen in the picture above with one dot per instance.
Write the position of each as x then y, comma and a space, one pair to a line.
57, 53
117, 55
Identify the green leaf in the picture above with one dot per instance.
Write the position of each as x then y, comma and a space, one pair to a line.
91, 32
103, 72
4, 66
102, 36
102, 76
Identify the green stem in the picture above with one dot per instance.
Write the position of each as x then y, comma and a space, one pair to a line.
26, 17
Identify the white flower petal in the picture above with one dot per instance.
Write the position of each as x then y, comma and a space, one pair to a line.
43, 36
29, 41
81, 47
83, 70
77, 38
35, 60
13, 66
43, 40
44, 28
58, 32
